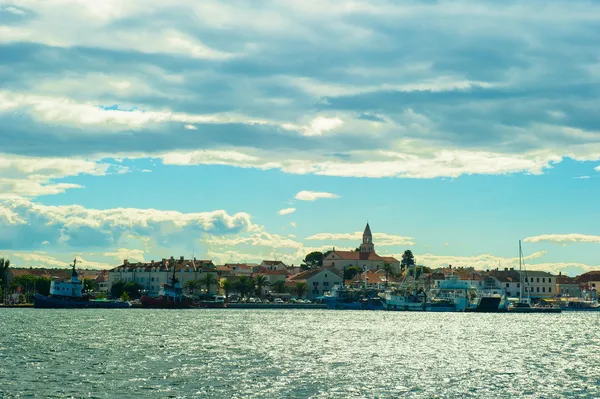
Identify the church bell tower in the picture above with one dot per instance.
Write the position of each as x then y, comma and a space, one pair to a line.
367, 244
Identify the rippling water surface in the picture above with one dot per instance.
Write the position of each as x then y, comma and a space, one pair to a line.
296, 354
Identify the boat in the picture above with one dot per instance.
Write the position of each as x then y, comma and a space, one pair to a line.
524, 305
343, 297
69, 294
409, 297
580, 305
170, 296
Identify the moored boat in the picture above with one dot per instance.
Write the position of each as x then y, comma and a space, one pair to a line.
170, 296
69, 294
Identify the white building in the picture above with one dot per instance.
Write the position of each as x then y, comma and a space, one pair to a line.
366, 258
153, 274
318, 281
273, 265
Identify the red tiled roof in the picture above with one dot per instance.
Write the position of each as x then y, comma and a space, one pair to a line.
389, 259
589, 276
184, 264
562, 279
271, 272
354, 255
312, 272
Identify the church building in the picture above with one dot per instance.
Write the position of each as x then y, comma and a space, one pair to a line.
366, 258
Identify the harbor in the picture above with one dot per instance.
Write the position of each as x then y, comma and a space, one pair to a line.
334, 280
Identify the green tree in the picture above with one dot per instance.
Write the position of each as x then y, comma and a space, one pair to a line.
192, 286
278, 286
313, 260
42, 285
261, 282
389, 270
408, 259
226, 286
133, 289
125, 296
300, 289
351, 271
89, 285
101, 295
244, 286
357, 249
116, 290
209, 280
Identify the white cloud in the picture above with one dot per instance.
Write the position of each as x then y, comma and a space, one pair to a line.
23, 224
146, 171
379, 239
597, 168
293, 224
190, 127
286, 211
314, 195
22, 176
565, 239
322, 124
581, 177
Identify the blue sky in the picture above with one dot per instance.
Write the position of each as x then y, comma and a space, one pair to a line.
241, 131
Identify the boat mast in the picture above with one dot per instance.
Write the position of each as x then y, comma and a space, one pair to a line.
520, 273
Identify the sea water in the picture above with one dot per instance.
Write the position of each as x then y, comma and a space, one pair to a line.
222, 353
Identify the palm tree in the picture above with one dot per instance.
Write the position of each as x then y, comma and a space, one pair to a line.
192, 285
261, 281
4, 264
278, 286
300, 289
208, 280
227, 286
389, 270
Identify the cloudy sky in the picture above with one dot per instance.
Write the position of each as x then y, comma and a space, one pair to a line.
250, 130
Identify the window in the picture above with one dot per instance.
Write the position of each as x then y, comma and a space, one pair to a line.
538, 289
325, 275
549, 280
538, 279
506, 285
526, 279
326, 284
518, 285
543, 280
315, 291
543, 289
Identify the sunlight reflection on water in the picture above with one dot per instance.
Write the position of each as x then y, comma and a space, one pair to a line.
296, 354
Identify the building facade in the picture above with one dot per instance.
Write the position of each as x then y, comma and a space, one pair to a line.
366, 258
152, 275
318, 281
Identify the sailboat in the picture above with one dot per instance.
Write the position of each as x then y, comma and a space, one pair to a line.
524, 304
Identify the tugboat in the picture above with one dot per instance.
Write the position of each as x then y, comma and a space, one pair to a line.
69, 294
170, 296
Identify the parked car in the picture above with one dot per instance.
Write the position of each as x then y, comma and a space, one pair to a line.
265, 300
277, 300
307, 301
293, 300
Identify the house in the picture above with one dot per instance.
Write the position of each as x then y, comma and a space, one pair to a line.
318, 281
589, 282
567, 286
151, 275
242, 269
372, 279
101, 281
538, 284
273, 265
366, 258
272, 276
507, 280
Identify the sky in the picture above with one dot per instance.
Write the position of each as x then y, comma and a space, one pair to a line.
247, 130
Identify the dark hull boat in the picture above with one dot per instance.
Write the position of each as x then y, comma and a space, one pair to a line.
42, 301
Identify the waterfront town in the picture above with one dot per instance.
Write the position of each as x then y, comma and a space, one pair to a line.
362, 268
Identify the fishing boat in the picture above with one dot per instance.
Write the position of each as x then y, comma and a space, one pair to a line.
170, 296
343, 297
580, 305
412, 298
69, 294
